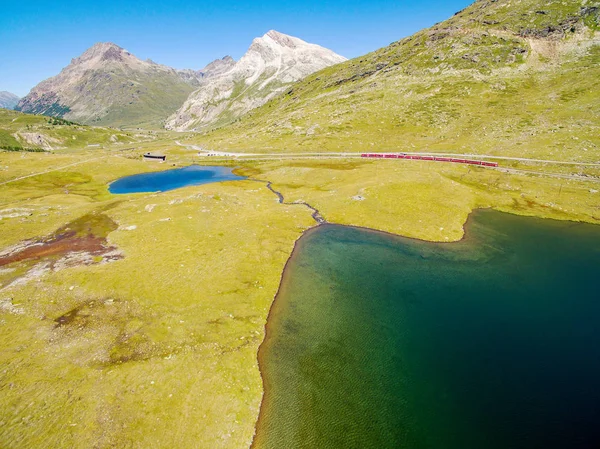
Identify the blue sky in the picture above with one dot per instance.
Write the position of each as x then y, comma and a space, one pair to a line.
38, 39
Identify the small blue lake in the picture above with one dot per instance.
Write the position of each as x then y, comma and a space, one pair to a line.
172, 179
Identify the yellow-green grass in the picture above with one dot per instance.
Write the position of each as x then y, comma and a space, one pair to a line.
163, 350
158, 349
424, 200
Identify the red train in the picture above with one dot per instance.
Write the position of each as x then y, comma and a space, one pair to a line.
429, 158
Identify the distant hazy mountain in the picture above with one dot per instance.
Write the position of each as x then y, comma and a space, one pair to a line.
217, 67
107, 85
231, 89
8, 100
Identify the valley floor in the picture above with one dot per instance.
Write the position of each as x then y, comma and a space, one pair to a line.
157, 346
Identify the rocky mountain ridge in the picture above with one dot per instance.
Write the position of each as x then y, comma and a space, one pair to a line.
271, 64
217, 67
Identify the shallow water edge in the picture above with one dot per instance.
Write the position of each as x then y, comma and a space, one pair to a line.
485, 243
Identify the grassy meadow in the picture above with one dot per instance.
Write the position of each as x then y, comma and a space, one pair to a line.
158, 346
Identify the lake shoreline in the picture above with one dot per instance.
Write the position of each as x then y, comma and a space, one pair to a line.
286, 276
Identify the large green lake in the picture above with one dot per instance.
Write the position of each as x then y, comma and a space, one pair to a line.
378, 341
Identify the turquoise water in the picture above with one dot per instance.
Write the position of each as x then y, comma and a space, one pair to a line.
172, 179
377, 341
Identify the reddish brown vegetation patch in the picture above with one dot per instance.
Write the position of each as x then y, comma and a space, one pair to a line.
59, 246
86, 234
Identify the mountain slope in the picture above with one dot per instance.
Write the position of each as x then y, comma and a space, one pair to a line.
20, 131
8, 100
500, 77
217, 67
272, 62
107, 85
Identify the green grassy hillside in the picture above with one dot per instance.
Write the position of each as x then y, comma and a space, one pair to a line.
145, 104
500, 77
35, 131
